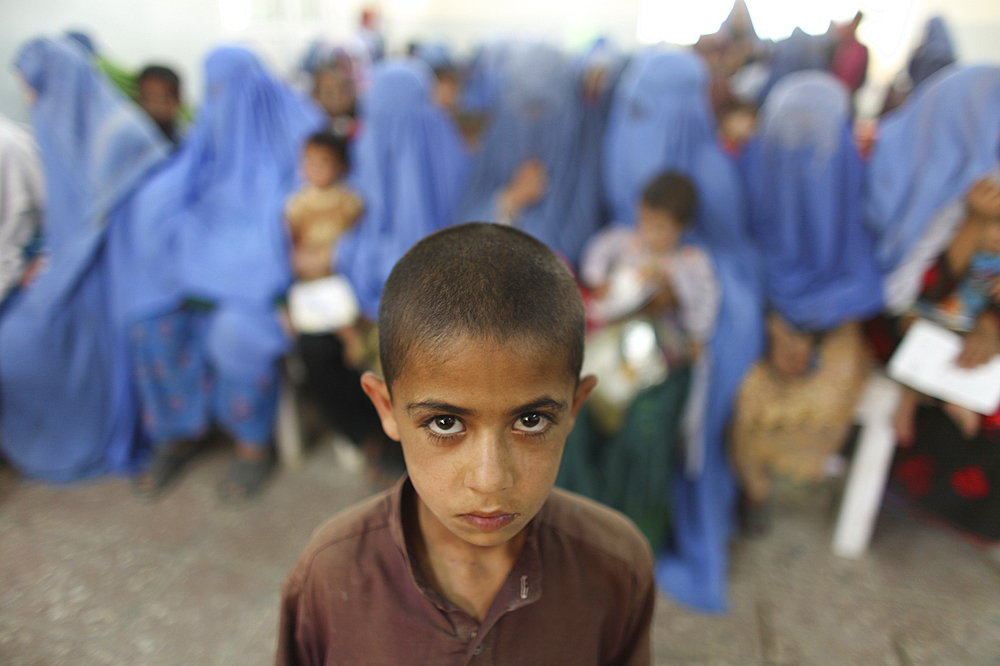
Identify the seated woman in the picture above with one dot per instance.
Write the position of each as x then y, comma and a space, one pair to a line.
661, 120
65, 390
210, 262
804, 178
535, 170
926, 165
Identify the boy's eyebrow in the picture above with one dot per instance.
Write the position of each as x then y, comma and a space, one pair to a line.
542, 403
435, 406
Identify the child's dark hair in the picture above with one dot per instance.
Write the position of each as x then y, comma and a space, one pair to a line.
333, 143
161, 73
673, 193
484, 281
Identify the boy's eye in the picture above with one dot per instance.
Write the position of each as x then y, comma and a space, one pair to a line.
445, 425
532, 423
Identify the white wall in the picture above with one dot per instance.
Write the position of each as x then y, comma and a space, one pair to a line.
180, 32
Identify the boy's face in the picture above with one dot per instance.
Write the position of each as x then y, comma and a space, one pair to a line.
320, 166
660, 231
157, 98
335, 92
482, 428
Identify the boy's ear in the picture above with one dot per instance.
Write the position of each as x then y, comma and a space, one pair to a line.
378, 393
583, 389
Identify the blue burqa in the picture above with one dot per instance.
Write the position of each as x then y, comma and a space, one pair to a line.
934, 53
661, 120
68, 411
539, 115
209, 226
930, 151
410, 166
804, 180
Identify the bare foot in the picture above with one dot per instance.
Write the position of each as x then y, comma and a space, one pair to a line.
967, 420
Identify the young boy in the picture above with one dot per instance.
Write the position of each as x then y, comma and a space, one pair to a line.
650, 269
323, 209
158, 92
474, 557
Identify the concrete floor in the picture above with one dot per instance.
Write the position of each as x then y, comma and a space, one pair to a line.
90, 575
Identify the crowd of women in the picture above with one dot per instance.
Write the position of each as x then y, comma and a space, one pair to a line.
154, 313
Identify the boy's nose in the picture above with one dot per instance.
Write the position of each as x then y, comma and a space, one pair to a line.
489, 470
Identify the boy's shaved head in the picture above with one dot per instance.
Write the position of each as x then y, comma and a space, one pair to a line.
483, 281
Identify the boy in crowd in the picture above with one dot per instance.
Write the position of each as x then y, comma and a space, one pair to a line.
158, 92
323, 209
473, 557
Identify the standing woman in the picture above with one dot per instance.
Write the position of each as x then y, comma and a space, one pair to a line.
211, 260
662, 120
804, 181
66, 406
931, 152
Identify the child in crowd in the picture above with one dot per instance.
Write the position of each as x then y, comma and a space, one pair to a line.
474, 557
323, 209
158, 92
648, 269
962, 292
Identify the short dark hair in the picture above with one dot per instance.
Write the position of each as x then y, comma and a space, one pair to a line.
485, 281
333, 143
164, 74
672, 193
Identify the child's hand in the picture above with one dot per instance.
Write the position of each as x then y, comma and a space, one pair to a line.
995, 290
981, 345
311, 263
983, 200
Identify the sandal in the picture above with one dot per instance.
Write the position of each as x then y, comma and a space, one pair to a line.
164, 470
245, 479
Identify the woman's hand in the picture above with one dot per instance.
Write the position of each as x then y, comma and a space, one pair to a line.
981, 344
983, 200
311, 263
526, 187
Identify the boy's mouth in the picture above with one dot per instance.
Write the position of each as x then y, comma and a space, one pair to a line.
489, 522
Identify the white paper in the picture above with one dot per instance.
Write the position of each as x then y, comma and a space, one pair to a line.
925, 361
323, 305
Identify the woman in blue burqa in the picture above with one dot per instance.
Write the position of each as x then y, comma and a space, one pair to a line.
68, 410
211, 262
535, 170
661, 120
410, 166
804, 181
936, 158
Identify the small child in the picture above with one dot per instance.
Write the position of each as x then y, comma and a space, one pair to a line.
323, 209
474, 557
962, 292
158, 92
650, 269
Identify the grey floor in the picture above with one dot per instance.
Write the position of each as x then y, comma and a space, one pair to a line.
90, 575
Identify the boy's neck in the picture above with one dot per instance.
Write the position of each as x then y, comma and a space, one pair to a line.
467, 575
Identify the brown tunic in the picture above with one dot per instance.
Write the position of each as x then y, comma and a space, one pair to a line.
581, 592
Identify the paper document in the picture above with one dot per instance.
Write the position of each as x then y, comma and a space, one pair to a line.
925, 361
322, 306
